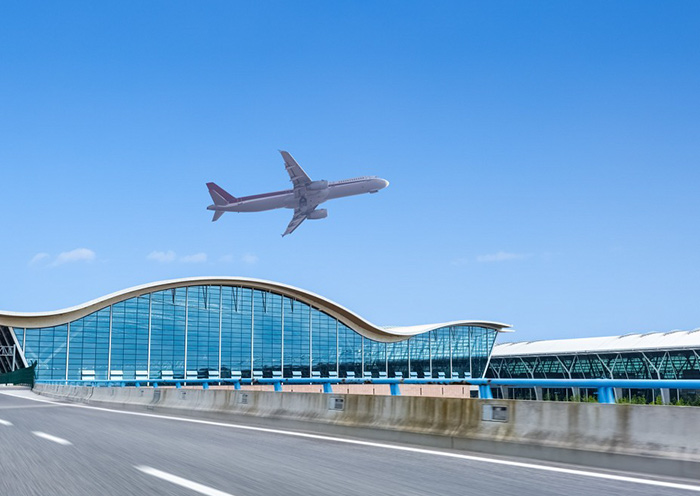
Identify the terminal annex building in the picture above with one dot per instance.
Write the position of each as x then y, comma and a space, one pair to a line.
235, 327
671, 355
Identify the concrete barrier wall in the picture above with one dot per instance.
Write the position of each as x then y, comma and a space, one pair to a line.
561, 431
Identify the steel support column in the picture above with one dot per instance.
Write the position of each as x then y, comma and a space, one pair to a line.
252, 330
311, 343
187, 315
67, 351
109, 348
538, 394
150, 321
221, 314
282, 341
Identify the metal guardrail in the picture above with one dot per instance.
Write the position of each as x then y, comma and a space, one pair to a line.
604, 387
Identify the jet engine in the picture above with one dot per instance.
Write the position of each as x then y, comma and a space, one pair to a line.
318, 214
317, 185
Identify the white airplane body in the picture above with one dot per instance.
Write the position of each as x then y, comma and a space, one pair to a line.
304, 197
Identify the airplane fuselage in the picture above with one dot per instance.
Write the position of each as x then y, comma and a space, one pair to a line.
286, 199
303, 198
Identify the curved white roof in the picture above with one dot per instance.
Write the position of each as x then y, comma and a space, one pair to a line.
347, 317
628, 342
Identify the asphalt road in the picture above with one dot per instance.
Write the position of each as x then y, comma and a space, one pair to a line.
53, 448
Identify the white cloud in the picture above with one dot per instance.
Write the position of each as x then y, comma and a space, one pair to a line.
170, 256
162, 256
77, 255
250, 258
226, 259
501, 256
196, 258
38, 258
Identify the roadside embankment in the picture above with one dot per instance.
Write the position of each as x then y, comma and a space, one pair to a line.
659, 440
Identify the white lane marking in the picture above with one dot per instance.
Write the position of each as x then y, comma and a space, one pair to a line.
49, 437
195, 486
24, 407
5, 422
423, 451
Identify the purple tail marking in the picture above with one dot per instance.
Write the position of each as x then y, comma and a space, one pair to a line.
215, 189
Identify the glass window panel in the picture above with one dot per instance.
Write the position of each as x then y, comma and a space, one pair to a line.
296, 338
349, 351
397, 358
267, 343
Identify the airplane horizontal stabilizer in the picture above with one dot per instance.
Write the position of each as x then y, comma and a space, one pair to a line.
217, 214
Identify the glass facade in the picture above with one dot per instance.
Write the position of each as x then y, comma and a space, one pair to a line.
671, 364
199, 331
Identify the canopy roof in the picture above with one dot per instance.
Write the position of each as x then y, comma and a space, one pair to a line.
347, 317
628, 342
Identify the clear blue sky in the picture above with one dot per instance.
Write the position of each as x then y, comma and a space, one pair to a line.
543, 156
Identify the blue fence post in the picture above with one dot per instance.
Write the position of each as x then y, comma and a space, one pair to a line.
394, 389
606, 395
178, 385
278, 386
327, 387
155, 384
485, 392
237, 385
205, 385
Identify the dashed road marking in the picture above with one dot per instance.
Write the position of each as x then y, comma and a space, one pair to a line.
174, 479
5, 422
49, 437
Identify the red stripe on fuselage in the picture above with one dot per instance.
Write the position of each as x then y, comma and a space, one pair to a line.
265, 195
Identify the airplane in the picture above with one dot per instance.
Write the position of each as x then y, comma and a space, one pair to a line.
304, 197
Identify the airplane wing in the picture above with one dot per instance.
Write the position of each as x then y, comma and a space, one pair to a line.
300, 180
301, 213
297, 175
299, 217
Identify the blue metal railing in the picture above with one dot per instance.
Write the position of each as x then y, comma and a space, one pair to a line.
605, 387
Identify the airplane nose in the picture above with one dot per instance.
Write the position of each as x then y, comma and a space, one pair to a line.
383, 183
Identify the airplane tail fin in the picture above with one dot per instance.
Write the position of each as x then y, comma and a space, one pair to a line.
217, 214
219, 195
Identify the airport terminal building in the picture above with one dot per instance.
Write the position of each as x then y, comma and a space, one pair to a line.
671, 355
220, 327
